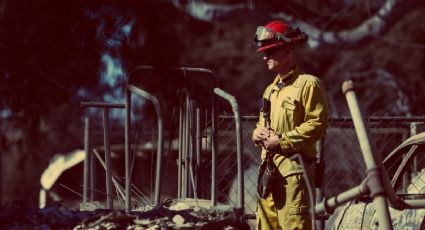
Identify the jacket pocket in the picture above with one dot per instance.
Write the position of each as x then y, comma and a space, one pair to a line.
289, 104
289, 113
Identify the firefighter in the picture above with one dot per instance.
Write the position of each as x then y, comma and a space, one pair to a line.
297, 119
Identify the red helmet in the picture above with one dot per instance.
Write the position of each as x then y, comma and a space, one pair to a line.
277, 34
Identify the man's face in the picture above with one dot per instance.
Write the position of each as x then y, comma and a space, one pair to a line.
278, 59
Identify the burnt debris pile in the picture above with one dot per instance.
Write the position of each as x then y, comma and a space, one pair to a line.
166, 215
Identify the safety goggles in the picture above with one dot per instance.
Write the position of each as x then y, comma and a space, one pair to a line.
264, 35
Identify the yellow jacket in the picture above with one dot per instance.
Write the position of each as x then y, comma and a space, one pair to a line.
299, 112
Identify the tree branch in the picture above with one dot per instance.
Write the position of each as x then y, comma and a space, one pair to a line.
377, 24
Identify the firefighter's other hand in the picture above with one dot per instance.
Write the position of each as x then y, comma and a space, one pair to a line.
260, 134
272, 142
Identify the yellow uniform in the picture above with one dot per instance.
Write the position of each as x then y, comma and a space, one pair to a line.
299, 113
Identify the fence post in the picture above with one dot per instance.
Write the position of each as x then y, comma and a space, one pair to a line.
415, 128
87, 159
179, 160
109, 203
414, 131
320, 224
186, 147
127, 148
93, 174
192, 153
198, 139
406, 174
213, 154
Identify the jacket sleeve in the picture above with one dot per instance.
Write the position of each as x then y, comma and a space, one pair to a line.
315, 119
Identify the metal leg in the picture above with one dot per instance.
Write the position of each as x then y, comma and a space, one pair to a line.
109, 203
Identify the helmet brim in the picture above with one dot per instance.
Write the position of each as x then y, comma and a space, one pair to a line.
266, 47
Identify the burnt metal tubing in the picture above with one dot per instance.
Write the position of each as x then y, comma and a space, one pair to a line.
155, 101
213, 130
374, 182
105, 106
232, 100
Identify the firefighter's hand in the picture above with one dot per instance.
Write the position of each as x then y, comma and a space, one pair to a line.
272, 142
260, 134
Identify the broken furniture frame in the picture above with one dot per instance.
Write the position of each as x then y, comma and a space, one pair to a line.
376, 184
235, 108
190, 139
87, 161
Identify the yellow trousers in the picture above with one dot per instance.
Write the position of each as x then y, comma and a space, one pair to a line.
287, 206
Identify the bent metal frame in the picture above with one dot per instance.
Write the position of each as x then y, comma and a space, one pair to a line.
189, 142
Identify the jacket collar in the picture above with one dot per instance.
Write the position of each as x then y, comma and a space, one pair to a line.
287, 78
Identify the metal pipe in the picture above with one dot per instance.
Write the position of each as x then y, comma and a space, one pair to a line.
372, 161
155, 101
192, 147
187, 149
401, 167
116, 184
179, 160
184, 150
206, 132
99, 158
405, 178
329, 204
109, 203
198, 138
415, 203
208, 73
232, 100
214, 153
414, 131
320, 224
127, 148
106, 106
92, 177
102, 105
198, 149
319, 148
86, 158
181, 69
382, 212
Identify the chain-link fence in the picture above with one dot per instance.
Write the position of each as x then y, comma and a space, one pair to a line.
344, 164
342, 157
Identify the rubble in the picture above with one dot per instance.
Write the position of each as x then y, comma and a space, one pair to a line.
167, 215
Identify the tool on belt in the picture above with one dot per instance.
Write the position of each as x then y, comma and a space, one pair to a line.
267, 172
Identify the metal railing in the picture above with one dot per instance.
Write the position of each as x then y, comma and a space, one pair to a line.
235, 108
88, 157
189, 142
192, 137
339, 152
